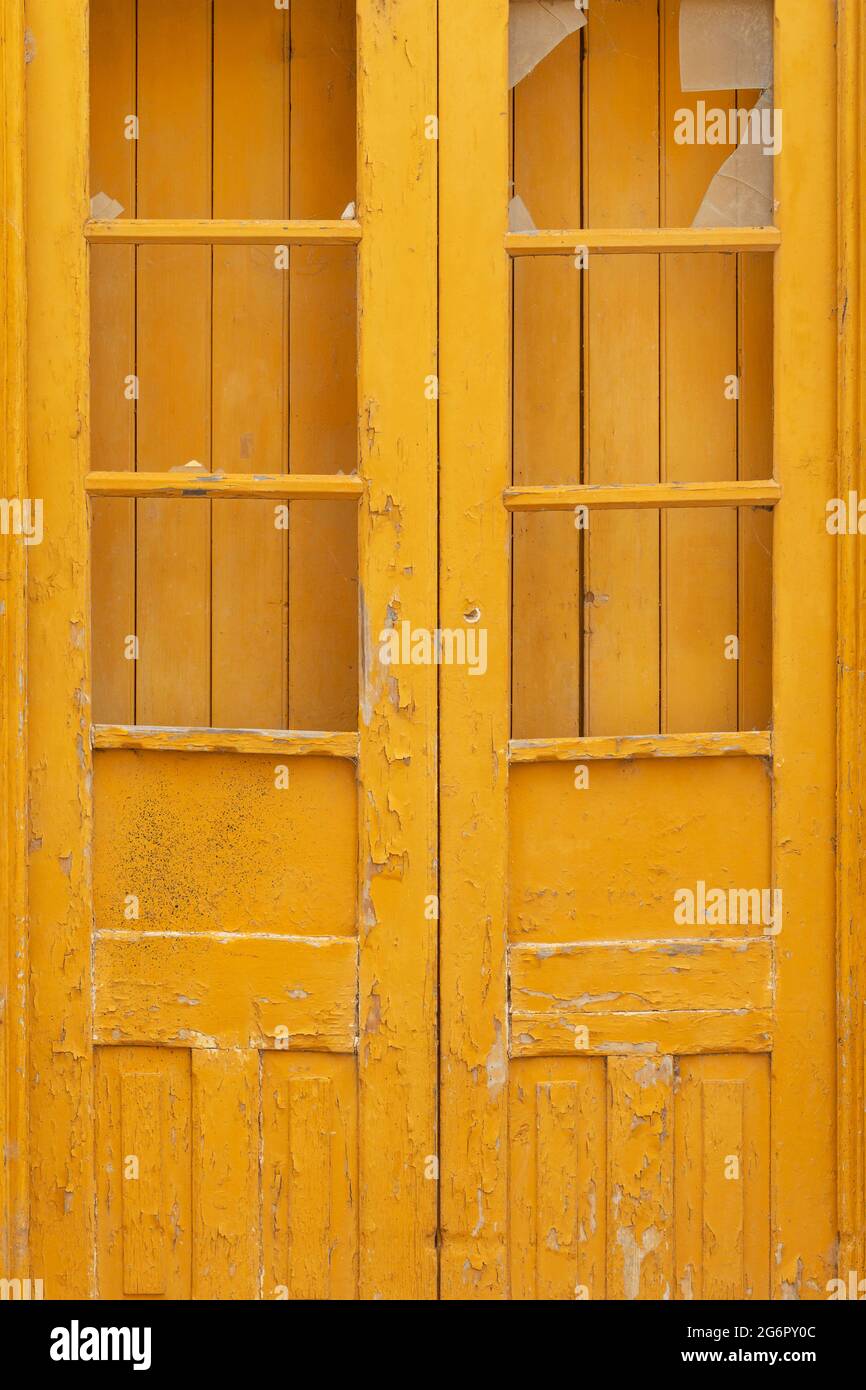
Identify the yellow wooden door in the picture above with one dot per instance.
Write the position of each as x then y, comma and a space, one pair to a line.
282, 260
231, 849
636, 816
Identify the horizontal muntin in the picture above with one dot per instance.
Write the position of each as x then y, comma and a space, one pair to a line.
168, 739
201, 231
564, 497
753, 743
188, 482
643, 240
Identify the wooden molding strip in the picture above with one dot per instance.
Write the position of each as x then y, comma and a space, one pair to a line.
640, 240
184, 482
564, 497
291, 742
15, 1081
749, 743
200, 231
851, 648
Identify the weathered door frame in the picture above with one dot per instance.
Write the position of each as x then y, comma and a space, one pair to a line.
47, 1089
469, 923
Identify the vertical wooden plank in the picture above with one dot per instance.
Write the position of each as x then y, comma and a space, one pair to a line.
804, 1192
112, 358
699, 549
755, 1073
323, 386
547, 1171
250, 307
851, 611
591, 1178
310, 1126
142, 1103
522, 1160
225, 1175
547, 401
640, 1177
567, 1198
556, 1192
144, 1238
174, 357
688, 1189
723, 1179
59, 666
721, 1112
14, 944
397, 563
474, 713
621, 180
310, 1177
755, 528
558, 1178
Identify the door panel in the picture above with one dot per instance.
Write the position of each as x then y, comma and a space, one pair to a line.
189, 1225
619, 1002
244, 998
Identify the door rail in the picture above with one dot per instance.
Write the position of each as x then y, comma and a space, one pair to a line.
220, 231
642, 240
184, 482
564, 497
750, 743
167, 739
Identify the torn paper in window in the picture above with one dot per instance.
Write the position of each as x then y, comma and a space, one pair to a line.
103, 208
535, 28
519, 217
726, 45
741, 193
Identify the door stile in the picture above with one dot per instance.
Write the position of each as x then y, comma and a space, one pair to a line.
397, 181
474, 710
851, 941
803, 1062
62, 1196
14, 984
